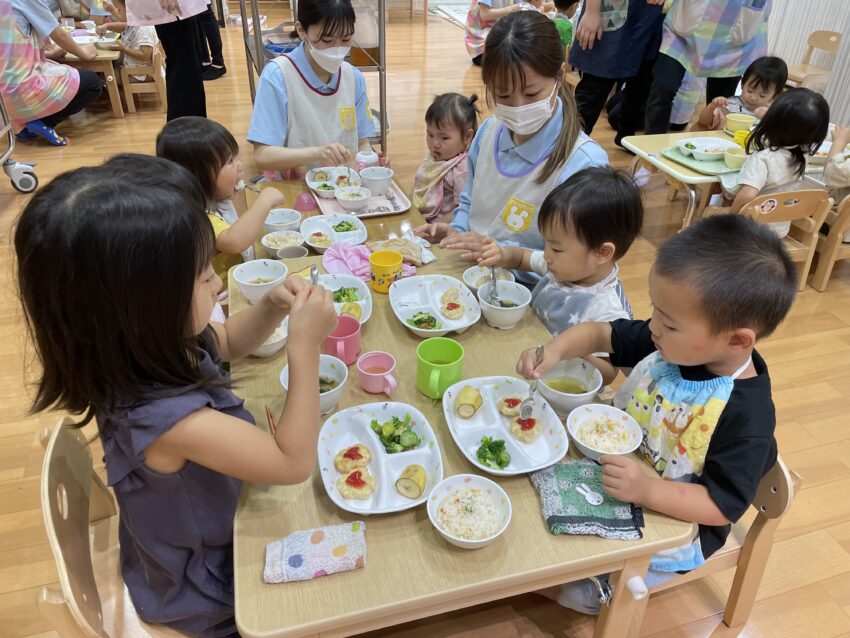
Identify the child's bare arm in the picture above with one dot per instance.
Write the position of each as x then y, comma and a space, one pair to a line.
625, 478
142, 54
245, 231
511, 257
606, 368
744, 197
579, 341
489, 13
707, 115
117, 27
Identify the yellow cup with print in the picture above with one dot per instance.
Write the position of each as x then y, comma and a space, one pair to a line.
385, 268
740, 138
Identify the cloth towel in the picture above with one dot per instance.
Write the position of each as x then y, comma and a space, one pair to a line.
344, 259
308, 554
566, 511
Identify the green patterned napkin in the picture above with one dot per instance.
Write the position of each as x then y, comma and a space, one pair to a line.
567, 511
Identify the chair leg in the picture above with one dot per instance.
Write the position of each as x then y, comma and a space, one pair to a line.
826, 260
128, 90
748, 575
54, 608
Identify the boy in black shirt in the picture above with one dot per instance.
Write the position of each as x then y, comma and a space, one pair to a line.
699, 390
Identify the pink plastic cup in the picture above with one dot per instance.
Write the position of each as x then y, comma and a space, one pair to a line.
375, 370
344, 342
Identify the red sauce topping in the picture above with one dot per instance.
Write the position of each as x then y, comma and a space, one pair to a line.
512, 403
526, 424
317, 235
353, 453
355, 479
452, 306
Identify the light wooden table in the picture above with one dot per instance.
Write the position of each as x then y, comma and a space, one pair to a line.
411, 572
699, 186
103, 63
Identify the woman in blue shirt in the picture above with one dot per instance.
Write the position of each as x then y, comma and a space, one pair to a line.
311, 107
532, 143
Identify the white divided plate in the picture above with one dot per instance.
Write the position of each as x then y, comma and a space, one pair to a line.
422, 293
549, 448
335, 282
703, 143
325, 224
351, 426
85, 39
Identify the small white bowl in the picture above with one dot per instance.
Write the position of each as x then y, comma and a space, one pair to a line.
274, 345
461, 481
473, 275
328, 367
353, 204
497, 316
273, 242
244, 274
329, 193
594, 411
351, 175
292, 252
580, 370
377, 179
282, 219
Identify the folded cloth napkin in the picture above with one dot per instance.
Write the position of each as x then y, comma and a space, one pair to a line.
344, 259
311, 553
567, 511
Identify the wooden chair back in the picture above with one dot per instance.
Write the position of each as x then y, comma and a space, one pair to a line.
72, 496
828, 41
805, 209
748, 551
155, 70
831, 247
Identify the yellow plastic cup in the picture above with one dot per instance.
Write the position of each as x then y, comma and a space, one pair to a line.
385, 268
740, 138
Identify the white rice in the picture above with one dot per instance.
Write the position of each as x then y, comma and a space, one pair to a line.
282, 241
469, 514
606, 435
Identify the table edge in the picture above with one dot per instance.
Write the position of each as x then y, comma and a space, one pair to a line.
667, 168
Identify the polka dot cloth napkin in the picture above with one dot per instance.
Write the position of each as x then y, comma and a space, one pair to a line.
311, 553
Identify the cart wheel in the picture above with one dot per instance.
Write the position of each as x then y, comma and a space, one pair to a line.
25, 182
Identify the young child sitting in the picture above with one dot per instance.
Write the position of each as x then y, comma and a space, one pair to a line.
451, 122
763, 81
587, 223
211, 153
699, 390
794, 126
836, 173
566, 9
136, 44
116, 259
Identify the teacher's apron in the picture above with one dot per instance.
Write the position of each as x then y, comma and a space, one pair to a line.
677, 417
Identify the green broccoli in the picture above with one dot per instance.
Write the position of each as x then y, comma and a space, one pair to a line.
492, 453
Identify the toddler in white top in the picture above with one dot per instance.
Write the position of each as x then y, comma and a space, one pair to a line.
837, 170
794, 126
587, 223
137, 44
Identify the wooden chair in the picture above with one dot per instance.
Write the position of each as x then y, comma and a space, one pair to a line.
747, 550
830, 248
806, 210
155, 70
828, 41
91, 600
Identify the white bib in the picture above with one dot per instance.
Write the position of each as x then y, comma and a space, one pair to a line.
505, 206
314, 118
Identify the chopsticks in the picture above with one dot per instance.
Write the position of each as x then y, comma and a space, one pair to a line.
272, 424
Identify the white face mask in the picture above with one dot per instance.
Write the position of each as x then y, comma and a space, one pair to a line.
528, 118
329, 59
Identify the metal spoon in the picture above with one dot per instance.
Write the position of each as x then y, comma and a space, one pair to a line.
494, 294
314, 274
527, 406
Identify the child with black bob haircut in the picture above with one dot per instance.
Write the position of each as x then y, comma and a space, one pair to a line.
763, 81
699, 390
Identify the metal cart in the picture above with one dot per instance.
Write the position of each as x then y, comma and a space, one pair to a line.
258, 54
21, 174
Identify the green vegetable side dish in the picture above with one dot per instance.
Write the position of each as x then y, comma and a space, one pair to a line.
396, 435
424, 321
344, 295
344, 226
325, 187
492, 453
690, 147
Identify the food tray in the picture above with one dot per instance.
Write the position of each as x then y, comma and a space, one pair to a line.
376, 206
549, 448
716, 167
335, 282
325, 224
348, 427
422, 293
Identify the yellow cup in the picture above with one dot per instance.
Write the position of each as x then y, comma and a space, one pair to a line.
385, 268
740, 138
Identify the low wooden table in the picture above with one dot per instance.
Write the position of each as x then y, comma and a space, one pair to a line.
411, 572
103, 63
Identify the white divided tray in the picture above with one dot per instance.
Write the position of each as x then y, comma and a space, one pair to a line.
364, 295
422, 294
549, 448
325, 224
348, 427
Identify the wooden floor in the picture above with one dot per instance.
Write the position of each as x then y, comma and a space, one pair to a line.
807, 588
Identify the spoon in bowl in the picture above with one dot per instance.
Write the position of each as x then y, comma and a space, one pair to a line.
494, 294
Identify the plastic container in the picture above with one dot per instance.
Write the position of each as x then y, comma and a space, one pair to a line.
365, 159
